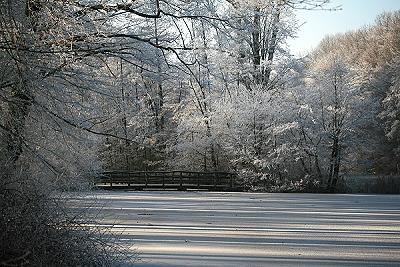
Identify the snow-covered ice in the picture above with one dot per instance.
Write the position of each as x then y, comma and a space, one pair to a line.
245, 229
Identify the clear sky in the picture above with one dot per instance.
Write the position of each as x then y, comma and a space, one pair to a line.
353, 15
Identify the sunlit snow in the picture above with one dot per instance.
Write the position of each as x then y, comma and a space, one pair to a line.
242, 229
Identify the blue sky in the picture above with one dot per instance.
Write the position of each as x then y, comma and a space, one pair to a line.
353, 15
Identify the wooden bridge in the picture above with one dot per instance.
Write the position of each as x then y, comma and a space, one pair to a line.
179, 180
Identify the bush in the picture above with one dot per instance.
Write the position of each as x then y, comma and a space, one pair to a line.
387, 185
38, 230
373, 184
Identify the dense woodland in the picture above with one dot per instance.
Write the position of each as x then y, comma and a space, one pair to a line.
93, 85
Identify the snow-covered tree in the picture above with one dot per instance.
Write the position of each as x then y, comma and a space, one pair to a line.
391, 110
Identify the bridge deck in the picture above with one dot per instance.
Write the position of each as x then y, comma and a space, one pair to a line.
180, 180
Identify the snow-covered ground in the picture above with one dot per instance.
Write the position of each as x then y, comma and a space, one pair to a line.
244, 229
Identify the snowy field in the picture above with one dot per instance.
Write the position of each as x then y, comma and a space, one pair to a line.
243, 229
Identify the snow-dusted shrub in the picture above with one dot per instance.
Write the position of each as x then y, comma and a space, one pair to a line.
37, 229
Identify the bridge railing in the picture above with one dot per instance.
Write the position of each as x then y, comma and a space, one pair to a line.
169, 180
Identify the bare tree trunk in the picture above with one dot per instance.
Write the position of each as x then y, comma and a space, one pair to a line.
319, 172
334, 165
206, 109
256, 45
264, 43
18, 111
19, 99
335, 152
160, 92
272, 46
124, 118
212, 148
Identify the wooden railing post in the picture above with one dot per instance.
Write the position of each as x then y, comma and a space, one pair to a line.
181, 179
198, 180
145, 179
231, 180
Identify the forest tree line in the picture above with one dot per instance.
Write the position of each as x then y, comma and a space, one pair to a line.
93, 85
204, 85
244, 104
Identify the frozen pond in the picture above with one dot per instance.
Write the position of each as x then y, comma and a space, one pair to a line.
243, 229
